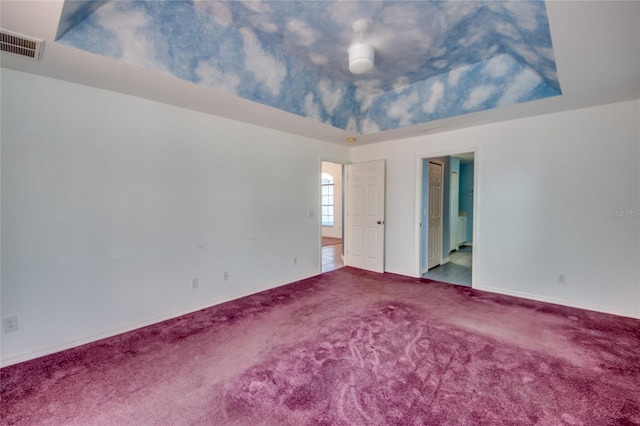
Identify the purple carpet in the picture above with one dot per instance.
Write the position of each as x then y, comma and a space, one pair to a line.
345, 348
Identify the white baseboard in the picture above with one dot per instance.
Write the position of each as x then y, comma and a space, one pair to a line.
585, 306
48, 350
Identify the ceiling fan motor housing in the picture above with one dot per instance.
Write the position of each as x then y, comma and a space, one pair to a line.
361, 56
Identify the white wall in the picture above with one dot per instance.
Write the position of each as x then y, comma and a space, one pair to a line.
544, 188
335, 170
112, 204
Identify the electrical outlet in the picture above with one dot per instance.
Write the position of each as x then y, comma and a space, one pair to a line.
562, 278
10, 323
295, 260
194, 283
225, 276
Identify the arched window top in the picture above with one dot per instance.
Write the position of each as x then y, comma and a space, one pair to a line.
327, 179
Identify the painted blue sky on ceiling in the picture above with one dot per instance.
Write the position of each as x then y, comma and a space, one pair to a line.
434, 59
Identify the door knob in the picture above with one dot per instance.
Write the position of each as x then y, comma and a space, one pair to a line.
380, 222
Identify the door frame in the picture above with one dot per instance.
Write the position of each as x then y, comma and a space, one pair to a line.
477, 244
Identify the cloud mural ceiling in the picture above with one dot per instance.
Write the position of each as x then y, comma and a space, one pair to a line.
434, 59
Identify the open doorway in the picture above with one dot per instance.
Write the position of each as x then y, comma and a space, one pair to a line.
331, 194
446, 232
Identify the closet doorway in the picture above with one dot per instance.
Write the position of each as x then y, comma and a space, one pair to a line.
447, 252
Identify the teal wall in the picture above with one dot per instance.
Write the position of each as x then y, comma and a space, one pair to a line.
466, 196
455, 165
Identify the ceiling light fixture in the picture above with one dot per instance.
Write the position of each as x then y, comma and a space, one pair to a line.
351, 139
361, 53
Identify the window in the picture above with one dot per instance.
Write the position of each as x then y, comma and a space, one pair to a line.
327, 199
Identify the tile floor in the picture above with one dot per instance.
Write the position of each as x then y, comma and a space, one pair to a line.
331, 257
456, 271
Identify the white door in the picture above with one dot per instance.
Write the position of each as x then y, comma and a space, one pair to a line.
365, 215
435, 214
453, 210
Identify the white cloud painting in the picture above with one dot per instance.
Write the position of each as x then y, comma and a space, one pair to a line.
434, 59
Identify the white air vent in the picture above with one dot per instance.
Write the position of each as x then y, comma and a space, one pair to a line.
19, 44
